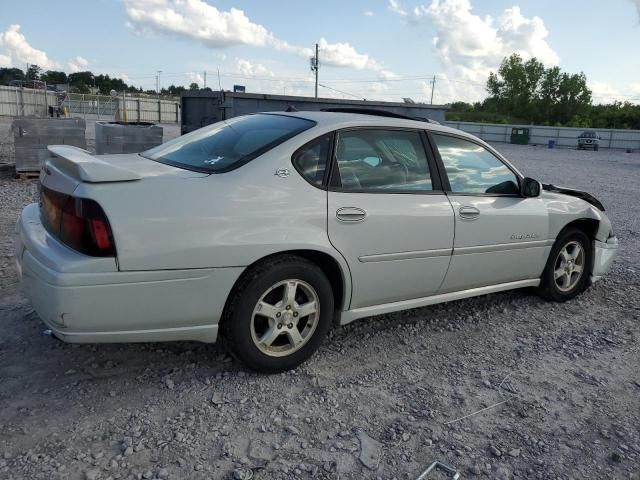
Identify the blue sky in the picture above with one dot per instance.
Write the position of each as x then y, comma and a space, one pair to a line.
385, 49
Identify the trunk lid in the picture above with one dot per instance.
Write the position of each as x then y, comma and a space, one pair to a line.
71, 166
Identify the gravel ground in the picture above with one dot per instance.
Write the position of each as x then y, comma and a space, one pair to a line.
382, 399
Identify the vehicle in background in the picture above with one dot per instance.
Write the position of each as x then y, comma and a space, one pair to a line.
36, 84
589, 139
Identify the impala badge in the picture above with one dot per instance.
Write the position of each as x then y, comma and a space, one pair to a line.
282, 172
524, 236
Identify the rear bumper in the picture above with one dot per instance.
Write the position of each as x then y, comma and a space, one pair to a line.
82, 303
603, 255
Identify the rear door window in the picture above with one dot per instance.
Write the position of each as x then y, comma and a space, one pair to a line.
229, 144
392, 161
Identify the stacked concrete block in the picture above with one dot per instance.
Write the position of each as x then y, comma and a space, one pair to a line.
120, 137
31, 136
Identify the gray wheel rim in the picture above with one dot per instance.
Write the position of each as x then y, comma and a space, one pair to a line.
569, 266
285, 318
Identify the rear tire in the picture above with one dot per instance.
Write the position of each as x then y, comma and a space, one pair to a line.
596, 148
566, 273
279, 314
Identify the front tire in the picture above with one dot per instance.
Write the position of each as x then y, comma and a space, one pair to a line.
279, 314
567, 271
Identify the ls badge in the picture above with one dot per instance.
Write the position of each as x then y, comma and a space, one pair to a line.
282, 172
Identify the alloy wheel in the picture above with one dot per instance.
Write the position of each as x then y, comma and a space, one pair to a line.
285, 318
569, 266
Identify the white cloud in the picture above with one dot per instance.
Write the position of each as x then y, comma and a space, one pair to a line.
5, 61
20, 52
388, 75
77, 64
603, 92
253, 69
470, 46
195, 77
395, 7
196, 19
369, 13
344, 55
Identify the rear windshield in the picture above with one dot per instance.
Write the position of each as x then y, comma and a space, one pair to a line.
229, 144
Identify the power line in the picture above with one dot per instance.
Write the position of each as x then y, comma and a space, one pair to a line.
340, 91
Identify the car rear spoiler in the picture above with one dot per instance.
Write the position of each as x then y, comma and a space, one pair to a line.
587, 197
86, 167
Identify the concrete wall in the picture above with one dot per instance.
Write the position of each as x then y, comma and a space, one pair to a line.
31, 136
15, 101
126, 138
20, 102
540, 135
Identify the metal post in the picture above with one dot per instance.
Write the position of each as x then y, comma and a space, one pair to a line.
316, 65
138, 108
433, 87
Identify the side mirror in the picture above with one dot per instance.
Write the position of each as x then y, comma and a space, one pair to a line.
530, 188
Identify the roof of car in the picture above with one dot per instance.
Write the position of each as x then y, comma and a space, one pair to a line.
344, 120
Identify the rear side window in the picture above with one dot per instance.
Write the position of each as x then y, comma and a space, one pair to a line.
311, 160
229, 144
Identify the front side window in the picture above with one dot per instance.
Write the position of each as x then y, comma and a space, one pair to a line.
311, 159
228, 144
382, 160
471, 168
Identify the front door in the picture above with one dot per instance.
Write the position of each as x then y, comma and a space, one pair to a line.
500, 236
388, 216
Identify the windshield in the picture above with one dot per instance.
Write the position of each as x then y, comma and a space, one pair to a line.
229, 144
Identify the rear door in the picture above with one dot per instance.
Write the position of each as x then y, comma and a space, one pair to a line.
388, 216
500, 236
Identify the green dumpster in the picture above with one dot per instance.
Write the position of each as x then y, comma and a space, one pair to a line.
520, 136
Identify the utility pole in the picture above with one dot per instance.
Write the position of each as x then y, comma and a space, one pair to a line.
433, 87
158, 81
204, 74
315, 64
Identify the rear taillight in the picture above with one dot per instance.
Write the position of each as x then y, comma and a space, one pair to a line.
79, 223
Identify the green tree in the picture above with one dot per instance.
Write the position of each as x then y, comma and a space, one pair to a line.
53, 76
34, 72
8, 74
194, 86
535, 94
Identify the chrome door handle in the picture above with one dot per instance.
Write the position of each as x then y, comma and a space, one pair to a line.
468, 212
350, 214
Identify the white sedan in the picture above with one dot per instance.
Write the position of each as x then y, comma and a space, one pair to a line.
271, 228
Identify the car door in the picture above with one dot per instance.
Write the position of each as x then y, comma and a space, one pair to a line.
388, 216
500, 236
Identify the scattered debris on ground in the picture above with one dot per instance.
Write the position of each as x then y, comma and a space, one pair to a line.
382, 399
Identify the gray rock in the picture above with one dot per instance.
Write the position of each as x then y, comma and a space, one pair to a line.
243, 473
370, 450
93, 474
475, 470
495, 451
